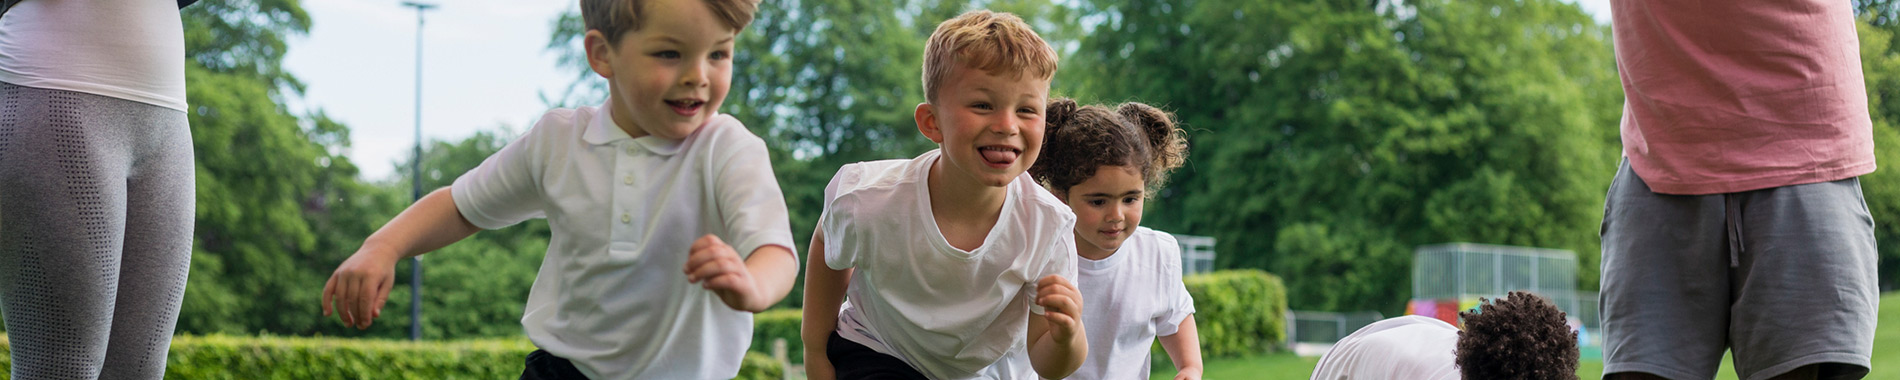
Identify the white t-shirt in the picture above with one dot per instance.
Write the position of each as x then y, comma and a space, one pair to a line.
612, 295
1408, 347
126, 49
949, 313
1128, 299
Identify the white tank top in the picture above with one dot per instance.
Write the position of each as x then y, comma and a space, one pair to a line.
126, 49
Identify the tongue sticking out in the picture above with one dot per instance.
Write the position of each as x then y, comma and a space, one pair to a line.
1000, 156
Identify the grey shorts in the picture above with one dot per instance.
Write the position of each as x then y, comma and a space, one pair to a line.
1782, 277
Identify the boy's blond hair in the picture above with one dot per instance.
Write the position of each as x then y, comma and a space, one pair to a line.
614, 18
995, 42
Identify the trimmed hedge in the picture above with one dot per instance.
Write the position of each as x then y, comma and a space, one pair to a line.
227, 357
1237, 312
779, 324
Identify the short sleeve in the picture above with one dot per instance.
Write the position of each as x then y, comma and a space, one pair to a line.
505, 189
1061, 262
837, 218
1174, 292
749, 199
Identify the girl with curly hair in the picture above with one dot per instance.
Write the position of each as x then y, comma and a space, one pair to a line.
1103, 163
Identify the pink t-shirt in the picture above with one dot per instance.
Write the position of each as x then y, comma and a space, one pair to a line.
1734, 95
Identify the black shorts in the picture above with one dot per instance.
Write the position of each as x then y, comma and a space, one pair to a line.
545, 366
853, 361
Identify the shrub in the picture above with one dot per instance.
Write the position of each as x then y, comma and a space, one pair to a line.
1237, 312
779, 324
228, 357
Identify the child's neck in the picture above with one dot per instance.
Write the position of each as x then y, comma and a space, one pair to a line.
622, 120
965, 210
1089, 251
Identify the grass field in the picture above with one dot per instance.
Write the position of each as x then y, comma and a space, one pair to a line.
1288, 366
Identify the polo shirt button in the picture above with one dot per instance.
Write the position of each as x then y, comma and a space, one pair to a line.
629, 180
624, 218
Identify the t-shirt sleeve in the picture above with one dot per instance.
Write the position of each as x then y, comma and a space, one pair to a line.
1061, 262
1174, 293
836, 223
505, 189
750, 201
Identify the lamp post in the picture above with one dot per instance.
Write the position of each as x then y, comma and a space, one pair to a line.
415, 180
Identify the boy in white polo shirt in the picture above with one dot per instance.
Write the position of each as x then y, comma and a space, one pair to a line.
643, 195
958, 263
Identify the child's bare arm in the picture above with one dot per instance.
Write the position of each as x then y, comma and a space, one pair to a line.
824, 292
1184, 348
358, 288
754, 284
1057, 344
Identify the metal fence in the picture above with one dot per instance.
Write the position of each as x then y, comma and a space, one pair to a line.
1453, 271
1311, 333
1197, 253
1326, 326
1466, 271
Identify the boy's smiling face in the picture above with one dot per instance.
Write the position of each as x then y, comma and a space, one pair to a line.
667, 78
990, 127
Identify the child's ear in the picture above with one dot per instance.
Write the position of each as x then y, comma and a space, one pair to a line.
927, 122
599, 53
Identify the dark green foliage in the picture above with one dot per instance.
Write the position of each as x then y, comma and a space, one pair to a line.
1329, 138
778, 324
218, 357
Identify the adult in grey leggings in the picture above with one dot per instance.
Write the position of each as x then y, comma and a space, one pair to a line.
96, 213
97, 192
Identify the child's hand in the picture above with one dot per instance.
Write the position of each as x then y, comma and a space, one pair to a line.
1188, 374
1062, 306
359, 287
716, 267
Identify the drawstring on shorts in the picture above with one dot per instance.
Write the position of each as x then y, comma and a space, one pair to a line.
1732, 217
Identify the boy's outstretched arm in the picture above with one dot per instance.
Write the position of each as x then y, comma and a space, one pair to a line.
359, 286
1057, 343
1184, 348
752, 284
824, 293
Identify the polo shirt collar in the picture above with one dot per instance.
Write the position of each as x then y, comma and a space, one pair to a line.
601, 131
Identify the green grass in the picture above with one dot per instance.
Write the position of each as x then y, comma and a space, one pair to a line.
1287, 366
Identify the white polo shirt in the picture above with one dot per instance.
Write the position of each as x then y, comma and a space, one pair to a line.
126, 49
1128, 299
949, 313
612, 295
1408, 347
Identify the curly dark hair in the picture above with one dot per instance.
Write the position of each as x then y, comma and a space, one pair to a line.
1080, 139
1520, 336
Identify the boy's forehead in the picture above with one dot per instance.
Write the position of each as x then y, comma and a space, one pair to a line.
679, 21
968, 77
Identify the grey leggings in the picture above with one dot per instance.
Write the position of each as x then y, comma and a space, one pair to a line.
96, 211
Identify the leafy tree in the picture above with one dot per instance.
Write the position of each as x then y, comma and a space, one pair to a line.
1329, 138
1880, 62
477, 287
256, 168
1881, 13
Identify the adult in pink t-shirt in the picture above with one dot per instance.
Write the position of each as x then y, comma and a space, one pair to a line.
1736, 222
